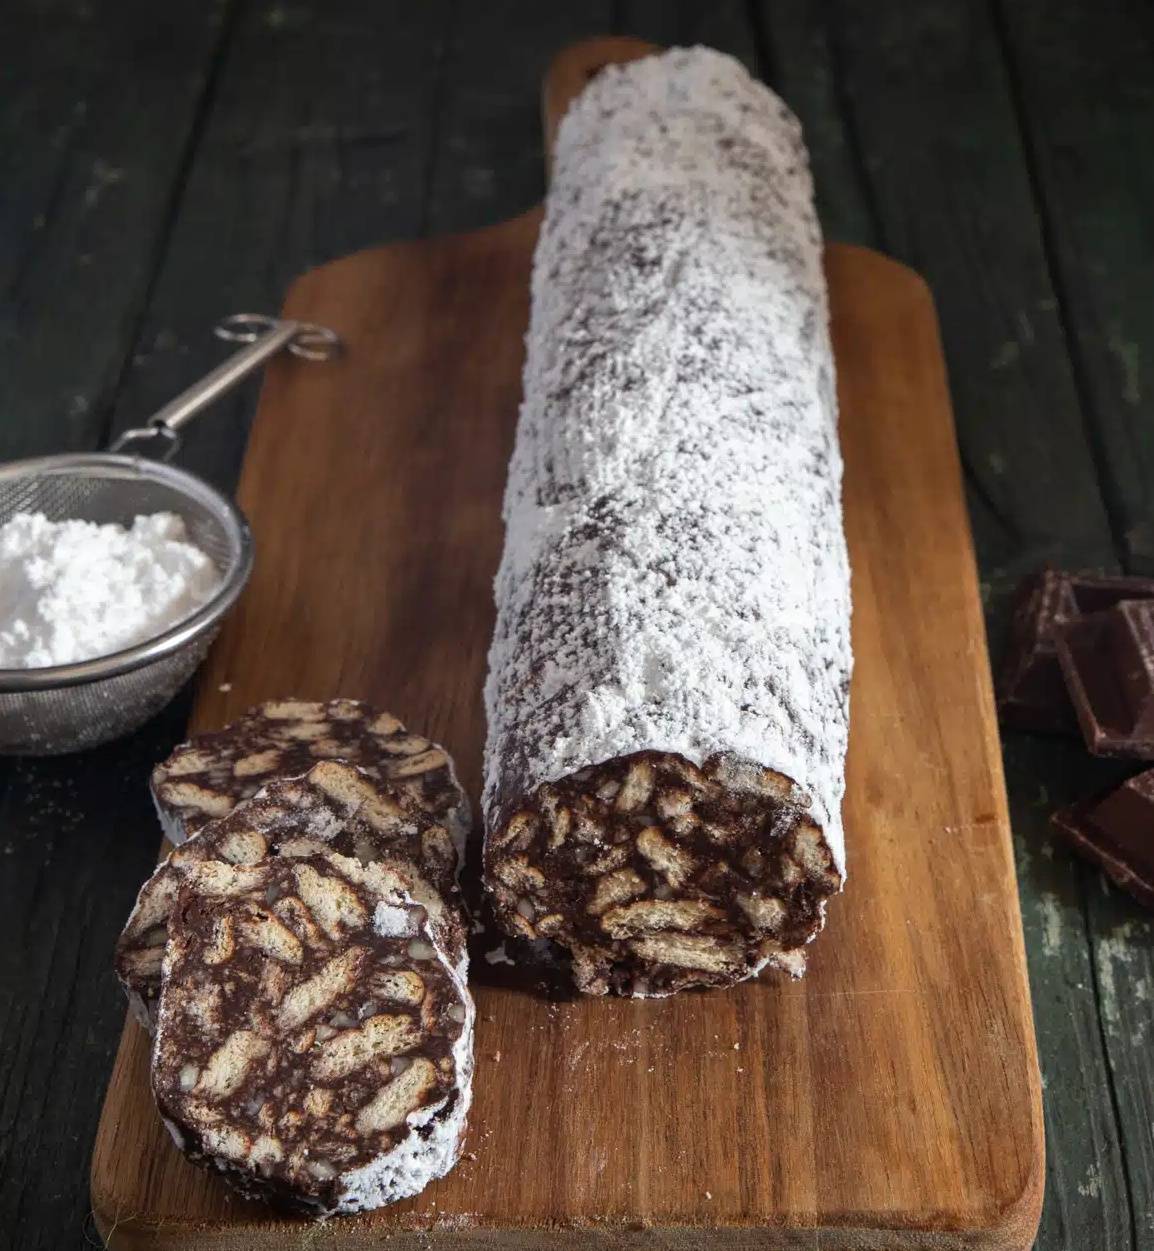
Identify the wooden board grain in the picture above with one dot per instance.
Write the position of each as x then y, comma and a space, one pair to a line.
891, 1100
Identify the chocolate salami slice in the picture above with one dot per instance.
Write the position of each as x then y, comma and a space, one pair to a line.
669, 674
334, 806
314, 1039
206, 777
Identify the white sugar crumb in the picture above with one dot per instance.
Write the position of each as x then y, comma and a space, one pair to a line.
394, 921
675, 574
75, 590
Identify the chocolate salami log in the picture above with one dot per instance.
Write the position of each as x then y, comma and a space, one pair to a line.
668, 686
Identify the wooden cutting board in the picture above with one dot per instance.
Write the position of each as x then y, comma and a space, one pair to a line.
891, 1099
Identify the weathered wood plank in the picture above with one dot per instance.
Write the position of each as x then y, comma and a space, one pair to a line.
320, 142
77, 837
1122, 935
1082, 77
1087, 1199
723, 24
489, 162
930, 111
97, 111
913, 125
796, 58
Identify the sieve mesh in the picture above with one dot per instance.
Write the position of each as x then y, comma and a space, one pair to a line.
70, 707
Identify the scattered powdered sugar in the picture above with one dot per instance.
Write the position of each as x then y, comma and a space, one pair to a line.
437, 1133
675, 573
75, 590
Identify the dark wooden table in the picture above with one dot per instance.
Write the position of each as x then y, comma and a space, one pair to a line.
161, 165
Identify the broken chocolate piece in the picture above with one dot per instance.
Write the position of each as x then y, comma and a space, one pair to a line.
314, 1040
1116, 832
1032, 692
1107, 659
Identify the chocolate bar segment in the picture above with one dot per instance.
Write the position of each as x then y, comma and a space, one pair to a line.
1117, 833
314, 1040
1032, 691
333, 807
1107, 659
206, 777
669, 675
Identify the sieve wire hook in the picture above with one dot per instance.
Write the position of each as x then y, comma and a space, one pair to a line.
262, 337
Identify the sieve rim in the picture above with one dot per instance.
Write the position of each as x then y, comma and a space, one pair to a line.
190, 628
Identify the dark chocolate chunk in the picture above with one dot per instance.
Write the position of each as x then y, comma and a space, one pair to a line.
1116, 832
1032, 692
1107, 659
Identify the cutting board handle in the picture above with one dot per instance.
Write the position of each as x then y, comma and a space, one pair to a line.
573, 67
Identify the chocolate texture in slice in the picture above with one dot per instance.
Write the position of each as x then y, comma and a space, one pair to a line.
335, 806
658, 875
206, 777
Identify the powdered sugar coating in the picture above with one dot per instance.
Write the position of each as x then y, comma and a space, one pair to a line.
675, 574
434, 1145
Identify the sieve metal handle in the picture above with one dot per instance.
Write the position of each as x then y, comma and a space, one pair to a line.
263, 337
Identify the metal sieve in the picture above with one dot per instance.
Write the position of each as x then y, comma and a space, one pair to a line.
49, 711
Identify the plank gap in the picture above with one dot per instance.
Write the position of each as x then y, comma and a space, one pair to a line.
1089, 880
1114, 506
170, 214
854, 144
